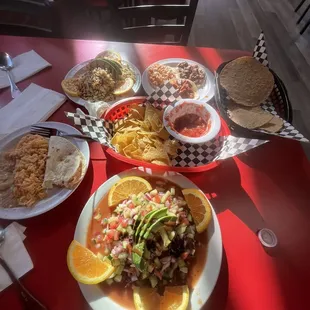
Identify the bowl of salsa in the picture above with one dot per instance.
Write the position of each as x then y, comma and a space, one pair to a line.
192, 121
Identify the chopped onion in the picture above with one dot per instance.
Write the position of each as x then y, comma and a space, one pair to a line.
133, 278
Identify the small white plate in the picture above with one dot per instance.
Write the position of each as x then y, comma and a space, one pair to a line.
206, 93
80, 66
55, 196
204, 286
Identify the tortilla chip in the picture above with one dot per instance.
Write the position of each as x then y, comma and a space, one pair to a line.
152, 115
137, 112
146, 125
159, 162
274, 125
137, 154
153, 153
142, 136
128, 123
163, 134
128, 150
171, 147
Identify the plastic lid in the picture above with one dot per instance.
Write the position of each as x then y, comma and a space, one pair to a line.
267, 237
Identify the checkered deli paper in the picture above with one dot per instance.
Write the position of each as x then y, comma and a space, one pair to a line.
275, 103
188, 155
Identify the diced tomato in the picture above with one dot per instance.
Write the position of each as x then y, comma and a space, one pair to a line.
184, 255
185, 221
182, 214
158, 274
124, 222
156, 199
113, 225
131, 206
110, 234
116, 235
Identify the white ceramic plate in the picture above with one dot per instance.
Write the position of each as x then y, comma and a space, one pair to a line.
56, 195
80, 66
206, 93
203, 288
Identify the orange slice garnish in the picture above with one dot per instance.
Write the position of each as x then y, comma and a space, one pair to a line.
125, 187
145, 298
175, 297
70, 87
85, 266
199, 206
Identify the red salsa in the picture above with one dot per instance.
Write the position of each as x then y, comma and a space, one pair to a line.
191, 125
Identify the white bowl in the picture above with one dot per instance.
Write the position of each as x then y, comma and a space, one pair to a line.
191, 104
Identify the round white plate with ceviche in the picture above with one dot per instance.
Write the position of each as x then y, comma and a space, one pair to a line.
206, 89
79, 68
212, 246
55, 195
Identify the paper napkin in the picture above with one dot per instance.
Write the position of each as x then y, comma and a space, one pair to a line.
25, 65
15, 254
35, 104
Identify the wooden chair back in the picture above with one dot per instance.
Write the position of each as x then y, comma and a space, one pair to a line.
136, 22
28, 18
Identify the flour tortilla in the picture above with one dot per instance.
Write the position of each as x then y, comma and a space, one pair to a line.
247, 81
274, 125
248, 117
65, 165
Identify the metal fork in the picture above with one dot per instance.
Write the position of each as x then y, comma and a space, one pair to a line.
48, 132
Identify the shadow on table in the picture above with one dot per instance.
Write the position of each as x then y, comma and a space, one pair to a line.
218, 298
223, 187
287, 167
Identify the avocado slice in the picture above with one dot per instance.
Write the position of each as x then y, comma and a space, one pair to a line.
142, 223
156, 214
135, 226
115, 65
164, 236
111, 67
137, 253
155, 226
139, 248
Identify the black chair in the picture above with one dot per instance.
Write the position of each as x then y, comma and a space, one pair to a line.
136, 21
29, 18
302, 16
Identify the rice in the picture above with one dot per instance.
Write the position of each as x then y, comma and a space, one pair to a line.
96, 85
30, 154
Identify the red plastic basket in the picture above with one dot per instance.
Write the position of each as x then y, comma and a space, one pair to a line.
120, 109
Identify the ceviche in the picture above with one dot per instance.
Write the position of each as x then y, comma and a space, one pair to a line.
143, 244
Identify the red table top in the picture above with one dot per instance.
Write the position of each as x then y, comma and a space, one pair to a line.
266, 187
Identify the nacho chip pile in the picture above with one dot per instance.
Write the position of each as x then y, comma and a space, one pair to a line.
142, 136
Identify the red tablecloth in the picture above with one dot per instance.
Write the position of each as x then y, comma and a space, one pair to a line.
266, 187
